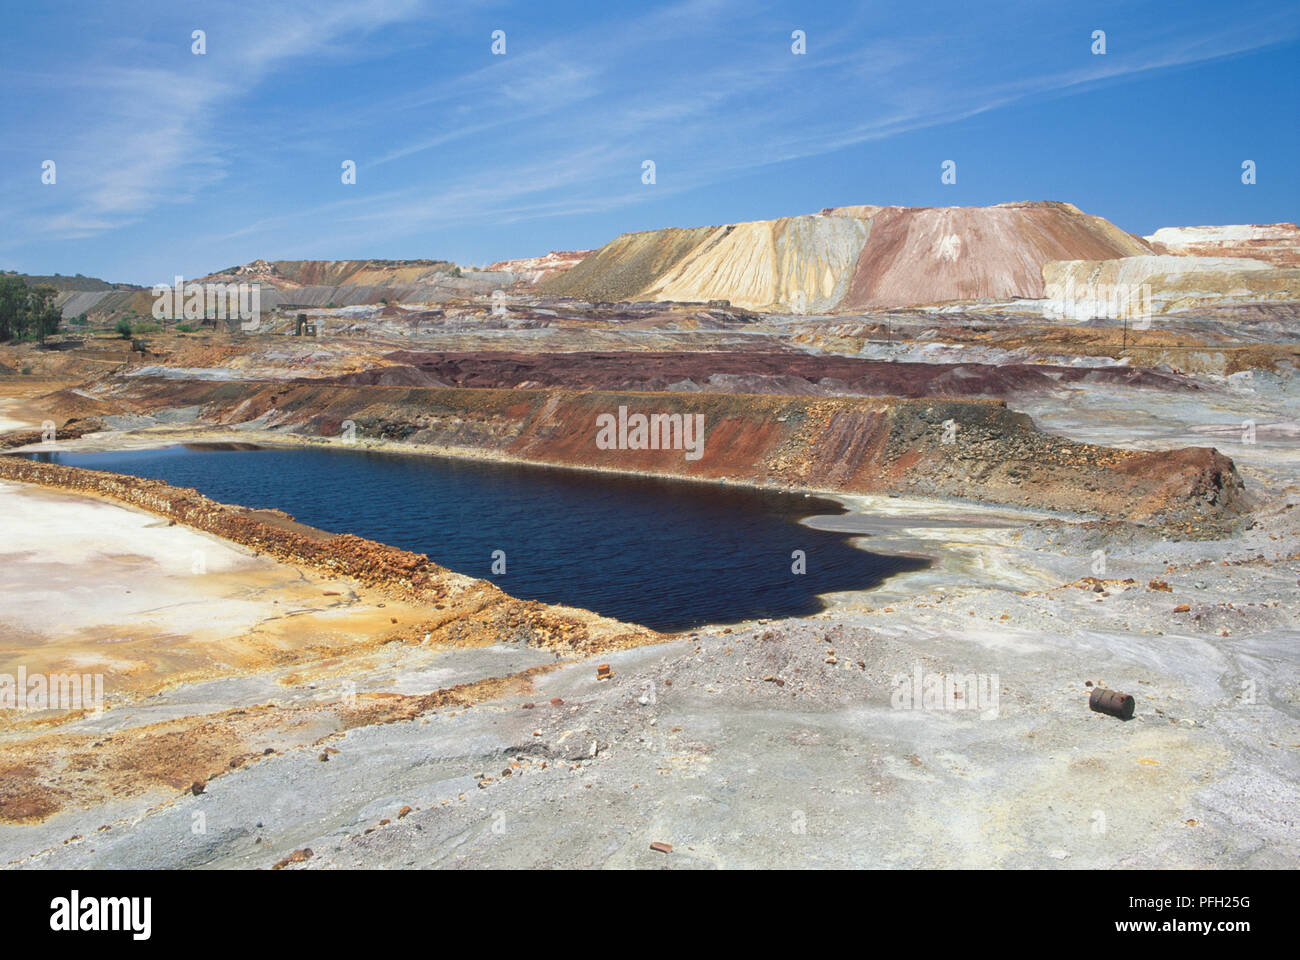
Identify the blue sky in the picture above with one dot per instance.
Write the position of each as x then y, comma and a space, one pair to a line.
168, 162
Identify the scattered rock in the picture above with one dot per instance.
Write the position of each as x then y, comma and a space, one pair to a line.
298, 856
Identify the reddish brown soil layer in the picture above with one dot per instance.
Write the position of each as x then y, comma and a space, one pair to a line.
785, 372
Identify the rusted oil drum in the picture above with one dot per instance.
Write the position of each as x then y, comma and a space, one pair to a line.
1112, 702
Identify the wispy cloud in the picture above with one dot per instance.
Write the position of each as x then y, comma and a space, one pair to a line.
137, 135
246, 141
726, 118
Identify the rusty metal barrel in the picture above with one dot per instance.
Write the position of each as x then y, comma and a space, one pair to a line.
1112, 702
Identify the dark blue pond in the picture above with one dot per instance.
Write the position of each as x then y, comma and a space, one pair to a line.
667, 554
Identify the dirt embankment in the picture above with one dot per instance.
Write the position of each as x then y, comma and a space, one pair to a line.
784, 372
461, 609
950, 448
72, 429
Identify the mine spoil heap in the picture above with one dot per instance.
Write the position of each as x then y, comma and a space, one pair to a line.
850, 258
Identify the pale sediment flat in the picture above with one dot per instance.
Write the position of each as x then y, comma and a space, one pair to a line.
8, 409
95, 586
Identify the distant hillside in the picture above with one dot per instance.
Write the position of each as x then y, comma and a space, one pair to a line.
309, 283
101, 300
344, 283
288, 274
850, 258
76, 283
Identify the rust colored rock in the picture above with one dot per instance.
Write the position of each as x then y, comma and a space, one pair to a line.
403, 812
1159, 585
298, 856
1182, 608
1112, 703
660, 847
604, 671
556, 702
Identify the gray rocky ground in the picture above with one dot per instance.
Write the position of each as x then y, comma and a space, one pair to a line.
785, 743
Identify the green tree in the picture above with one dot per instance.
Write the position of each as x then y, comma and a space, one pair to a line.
13, 306
123, 328
43, 315
27, 312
